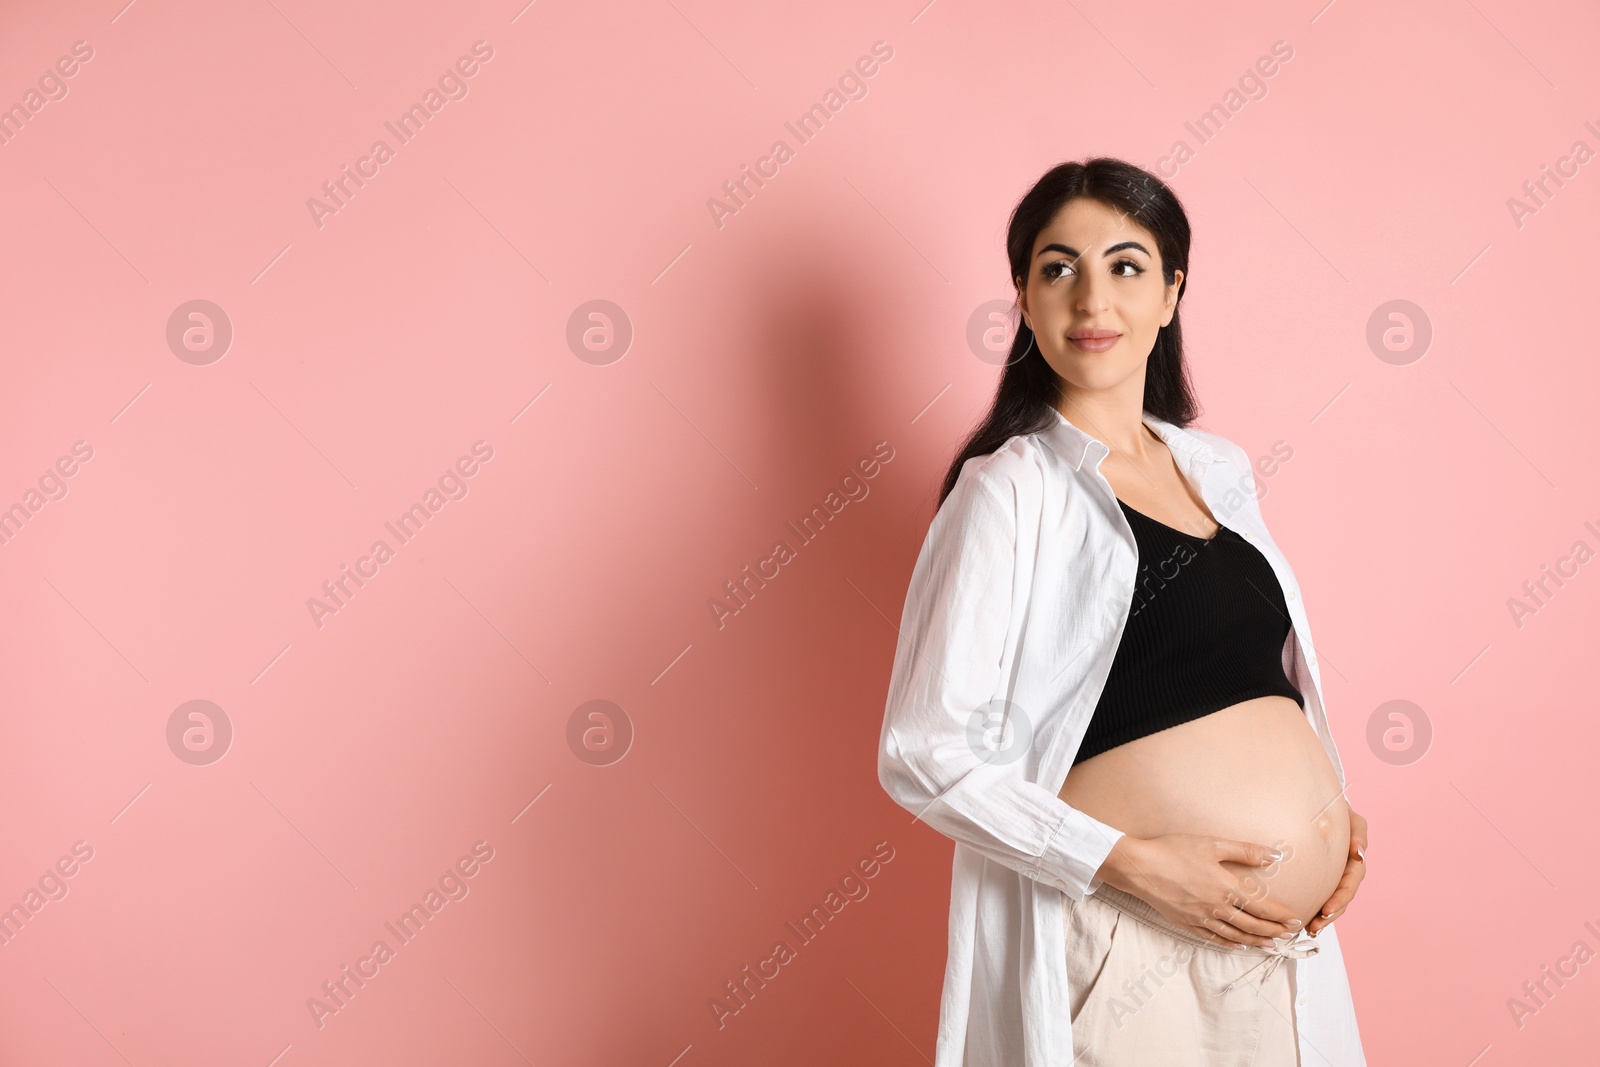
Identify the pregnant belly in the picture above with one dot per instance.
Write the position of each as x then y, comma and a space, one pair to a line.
1252, 772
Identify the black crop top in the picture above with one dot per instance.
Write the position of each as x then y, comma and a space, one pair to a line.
1206, 630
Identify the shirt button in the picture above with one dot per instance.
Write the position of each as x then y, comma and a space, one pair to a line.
1302, 1000
1293, 595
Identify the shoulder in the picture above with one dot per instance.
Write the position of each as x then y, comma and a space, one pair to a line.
1013, 473
1001, 492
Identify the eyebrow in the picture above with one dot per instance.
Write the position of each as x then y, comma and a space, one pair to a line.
1075, 254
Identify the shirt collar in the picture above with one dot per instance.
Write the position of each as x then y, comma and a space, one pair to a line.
1074, 445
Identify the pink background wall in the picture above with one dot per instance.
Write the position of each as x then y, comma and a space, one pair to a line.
372, 348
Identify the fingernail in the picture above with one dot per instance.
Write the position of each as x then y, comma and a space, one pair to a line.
1273, 855
1295, 922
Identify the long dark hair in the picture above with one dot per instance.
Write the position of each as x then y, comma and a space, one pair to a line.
1029, 389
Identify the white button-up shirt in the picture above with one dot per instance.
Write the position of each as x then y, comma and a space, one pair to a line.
1015, 609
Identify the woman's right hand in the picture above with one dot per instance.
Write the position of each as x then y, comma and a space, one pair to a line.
1182, 876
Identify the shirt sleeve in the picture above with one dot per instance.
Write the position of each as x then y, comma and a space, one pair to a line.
947, 675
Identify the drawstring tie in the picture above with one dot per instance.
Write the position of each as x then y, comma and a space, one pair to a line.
1292, 950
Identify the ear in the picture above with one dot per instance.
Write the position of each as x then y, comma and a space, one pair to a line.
1171, 298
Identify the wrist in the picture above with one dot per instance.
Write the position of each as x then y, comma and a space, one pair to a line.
1123, 863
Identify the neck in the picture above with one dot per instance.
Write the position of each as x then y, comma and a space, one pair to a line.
1118, 425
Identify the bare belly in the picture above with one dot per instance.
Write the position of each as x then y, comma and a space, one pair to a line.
1252, 772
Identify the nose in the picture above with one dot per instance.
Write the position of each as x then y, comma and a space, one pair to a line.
1089, 295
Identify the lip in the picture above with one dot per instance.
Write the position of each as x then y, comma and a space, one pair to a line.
1093, 340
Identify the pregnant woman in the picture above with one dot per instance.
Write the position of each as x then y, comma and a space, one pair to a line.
1106, 692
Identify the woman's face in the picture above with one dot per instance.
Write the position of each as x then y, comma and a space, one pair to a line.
1094, 296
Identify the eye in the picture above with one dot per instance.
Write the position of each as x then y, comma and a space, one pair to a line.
1057, 269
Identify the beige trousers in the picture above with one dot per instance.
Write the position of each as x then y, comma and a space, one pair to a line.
1145, 991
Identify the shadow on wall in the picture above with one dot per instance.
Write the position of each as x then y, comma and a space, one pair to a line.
770, 741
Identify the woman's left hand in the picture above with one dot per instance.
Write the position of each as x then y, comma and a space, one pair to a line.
1355, 869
